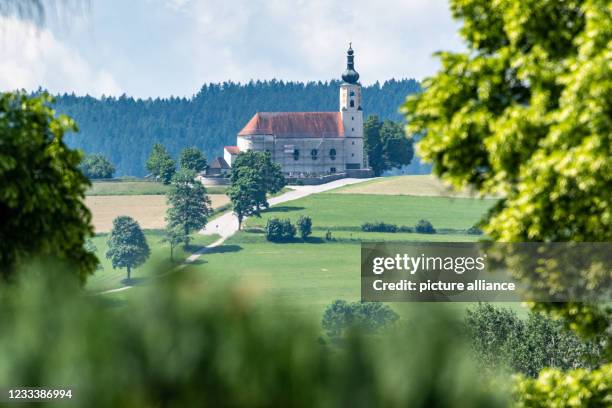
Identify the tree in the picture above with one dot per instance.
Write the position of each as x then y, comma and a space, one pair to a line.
189, 205
372, 144
160, 164
279, 230
246, 194
254, 175
270, 172
175, 235
96, 166
526, 114
42, 195
192, 159
127, 245
397, 149
305, 226
370, 317
386, 145
500, 339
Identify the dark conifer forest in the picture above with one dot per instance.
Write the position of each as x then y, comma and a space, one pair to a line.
124, 129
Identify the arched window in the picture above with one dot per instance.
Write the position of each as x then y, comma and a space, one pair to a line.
332, 154
352, 103
314, 153
296, 154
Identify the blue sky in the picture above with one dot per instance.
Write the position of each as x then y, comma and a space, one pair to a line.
171, 47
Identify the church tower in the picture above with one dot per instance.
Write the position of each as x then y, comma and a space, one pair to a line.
352, 114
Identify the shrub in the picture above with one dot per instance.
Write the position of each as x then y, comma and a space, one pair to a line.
367, 316
500, 339
405, 228
378, 227
474, 231
279, 230
305, 226
328, 236
424, 227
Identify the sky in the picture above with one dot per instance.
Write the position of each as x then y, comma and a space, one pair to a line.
160, 48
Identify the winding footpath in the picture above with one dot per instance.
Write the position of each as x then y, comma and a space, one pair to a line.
226, 225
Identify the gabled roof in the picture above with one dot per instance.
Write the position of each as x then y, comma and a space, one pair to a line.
232, 149
295, 124
219, 163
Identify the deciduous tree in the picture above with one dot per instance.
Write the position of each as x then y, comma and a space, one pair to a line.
525, 114
189, 205
192, 159
160, 164
127, 245
42, 189
96, 166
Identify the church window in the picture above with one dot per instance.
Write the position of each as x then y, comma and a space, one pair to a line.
332, 154
296, 154
353, 142
352, 118
332, 170
314, 153
352, 103
352, 154
352, 129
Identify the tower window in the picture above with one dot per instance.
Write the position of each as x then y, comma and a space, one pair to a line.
296, 154
352, 104
352, 129
353, 142
314, 153
352, 118
332, 154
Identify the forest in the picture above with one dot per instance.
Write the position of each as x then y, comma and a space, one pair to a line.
124, 129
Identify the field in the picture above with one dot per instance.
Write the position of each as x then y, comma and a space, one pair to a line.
424, 185
306, 277
148, 210
108, 278
135, 187
342, 211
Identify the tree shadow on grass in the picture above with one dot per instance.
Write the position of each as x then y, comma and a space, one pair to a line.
135, 281
283, 209
222, 249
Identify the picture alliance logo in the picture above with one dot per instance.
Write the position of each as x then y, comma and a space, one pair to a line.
413, 264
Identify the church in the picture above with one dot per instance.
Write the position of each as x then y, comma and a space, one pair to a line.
311, 143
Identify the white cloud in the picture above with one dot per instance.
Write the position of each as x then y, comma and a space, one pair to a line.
172, 47
307, 39
32, 57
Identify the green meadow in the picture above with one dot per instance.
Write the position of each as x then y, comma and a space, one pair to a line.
108, 278
341, 211
305, 277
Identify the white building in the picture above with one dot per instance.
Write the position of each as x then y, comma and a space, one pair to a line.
311, 143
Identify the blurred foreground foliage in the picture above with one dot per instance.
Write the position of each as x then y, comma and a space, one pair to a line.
525, 114
184, 345
42, 209
574, 388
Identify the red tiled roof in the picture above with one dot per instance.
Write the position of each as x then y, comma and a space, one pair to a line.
295, 124
232, 149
